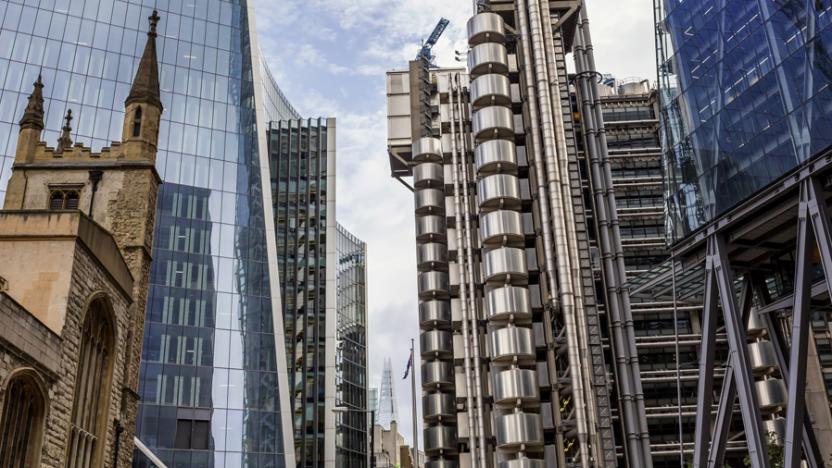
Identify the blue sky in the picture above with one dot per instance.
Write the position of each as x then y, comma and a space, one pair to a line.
330, 58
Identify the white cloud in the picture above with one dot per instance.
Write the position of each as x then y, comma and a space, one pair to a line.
330, 56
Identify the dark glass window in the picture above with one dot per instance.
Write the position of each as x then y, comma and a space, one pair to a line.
137, 122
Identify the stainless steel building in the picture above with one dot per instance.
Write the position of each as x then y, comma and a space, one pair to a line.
351, 377
302, 174
513, 342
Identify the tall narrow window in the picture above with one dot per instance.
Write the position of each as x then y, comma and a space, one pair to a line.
21, 427
137, 122
92, 381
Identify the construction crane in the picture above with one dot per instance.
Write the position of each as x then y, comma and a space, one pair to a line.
425, 53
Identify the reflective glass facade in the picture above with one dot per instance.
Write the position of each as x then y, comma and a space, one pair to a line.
208, 379
745, 97
302, 171
351, 354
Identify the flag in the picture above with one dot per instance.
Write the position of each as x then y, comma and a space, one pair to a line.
409, 365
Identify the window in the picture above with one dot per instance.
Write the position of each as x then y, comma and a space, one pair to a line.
21, 427
137, 122
192, 434
64, 198
92, 382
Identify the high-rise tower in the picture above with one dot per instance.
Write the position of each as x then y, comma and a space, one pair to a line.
387, 405
213, 380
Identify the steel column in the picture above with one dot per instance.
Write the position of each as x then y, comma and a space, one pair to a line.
812, 229
729, 390
704, 389
749, 408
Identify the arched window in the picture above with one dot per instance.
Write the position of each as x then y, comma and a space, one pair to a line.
92, 386
21, 427
137, 122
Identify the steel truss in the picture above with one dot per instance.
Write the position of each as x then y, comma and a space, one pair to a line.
813, 230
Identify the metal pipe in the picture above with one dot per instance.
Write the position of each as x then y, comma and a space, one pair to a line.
613, 282
463, 296
567, 304
470, 272
545, 221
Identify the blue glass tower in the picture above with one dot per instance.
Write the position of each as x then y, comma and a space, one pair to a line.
213, 383
745, 98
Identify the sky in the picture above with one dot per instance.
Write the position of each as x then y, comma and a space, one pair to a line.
330, 57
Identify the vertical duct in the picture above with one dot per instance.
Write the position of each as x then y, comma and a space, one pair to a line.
517, 424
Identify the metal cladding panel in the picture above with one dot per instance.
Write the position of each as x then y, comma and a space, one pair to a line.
489, 90
430, 227
762, 356
485, 27
440, 438
436, 405
516, 385
771, 393
428, 174
430, 201
432, 256
500, 303
433, 284
436, 344
501, 226
514, 430
494, 155
488, 57
427, 149
512, 343
437, 373
493, 122
435, 313
505, 261
499, 191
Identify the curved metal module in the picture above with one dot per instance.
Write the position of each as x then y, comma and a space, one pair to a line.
436, 343
517, 423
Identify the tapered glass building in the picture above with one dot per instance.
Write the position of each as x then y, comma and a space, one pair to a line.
211, 388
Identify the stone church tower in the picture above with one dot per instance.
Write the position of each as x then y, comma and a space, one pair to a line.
75, 251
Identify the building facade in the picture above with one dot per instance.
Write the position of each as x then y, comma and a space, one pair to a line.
745, 110
210, 362
513, 335
76, 232
351, 358
302, 165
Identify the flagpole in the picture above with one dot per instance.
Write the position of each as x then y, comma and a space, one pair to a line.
413, 404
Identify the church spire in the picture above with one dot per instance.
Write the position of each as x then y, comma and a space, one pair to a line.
33, 116
145, 87
65, 141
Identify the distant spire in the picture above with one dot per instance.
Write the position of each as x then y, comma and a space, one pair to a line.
387, 405
65, 141
146, 83
33, 116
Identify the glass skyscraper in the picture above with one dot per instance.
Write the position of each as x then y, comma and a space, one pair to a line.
745, 98
302, 164
213, 387
351, 355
